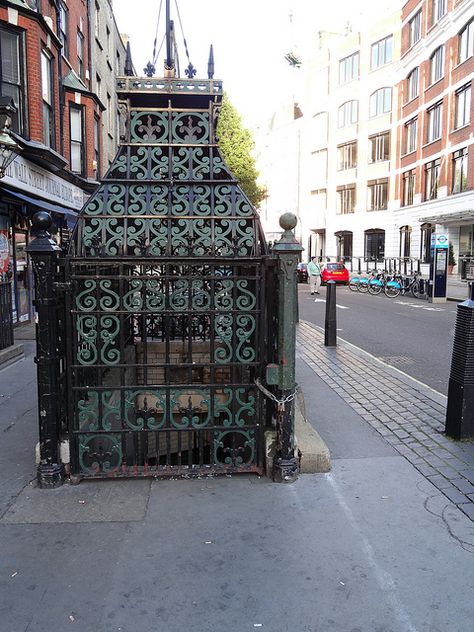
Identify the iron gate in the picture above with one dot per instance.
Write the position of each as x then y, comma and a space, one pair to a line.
166, 302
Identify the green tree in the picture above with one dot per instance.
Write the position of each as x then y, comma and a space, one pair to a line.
236, 145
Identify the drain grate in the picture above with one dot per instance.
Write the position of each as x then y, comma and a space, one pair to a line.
398, 360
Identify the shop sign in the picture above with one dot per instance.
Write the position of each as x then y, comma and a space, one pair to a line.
24, 175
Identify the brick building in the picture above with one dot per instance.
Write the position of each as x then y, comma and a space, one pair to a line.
435, 161
46, 68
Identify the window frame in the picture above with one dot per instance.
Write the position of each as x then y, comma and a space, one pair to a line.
47, 90
380, 47
378, 144
77, 109
460, 156
438, 10
64, 28
377, 195
80, 54
461, 93
411, 135
467, 29
16, 89
349, 68
437, 65
408, 187
346, 199
342, 108
348, 159
379, 99
413, 87
434, 122
414, 29
432, 171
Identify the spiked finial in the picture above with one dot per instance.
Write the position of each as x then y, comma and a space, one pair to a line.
128, 62
210, 63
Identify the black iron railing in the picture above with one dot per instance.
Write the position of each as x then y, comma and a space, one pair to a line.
6, 322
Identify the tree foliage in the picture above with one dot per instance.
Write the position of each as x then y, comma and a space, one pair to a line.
236, 145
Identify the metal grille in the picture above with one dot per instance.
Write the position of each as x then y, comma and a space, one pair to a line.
167, 279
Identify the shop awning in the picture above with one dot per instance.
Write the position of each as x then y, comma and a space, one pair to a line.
466, 215
69, 216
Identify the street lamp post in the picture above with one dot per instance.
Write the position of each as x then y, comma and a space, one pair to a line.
9, 149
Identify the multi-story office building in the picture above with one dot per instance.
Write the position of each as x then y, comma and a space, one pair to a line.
387, 136
435, 161
350, 141
46, 69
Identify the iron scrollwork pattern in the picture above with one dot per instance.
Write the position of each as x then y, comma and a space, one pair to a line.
167, 315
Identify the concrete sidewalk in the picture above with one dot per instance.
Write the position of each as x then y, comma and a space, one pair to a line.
375, 545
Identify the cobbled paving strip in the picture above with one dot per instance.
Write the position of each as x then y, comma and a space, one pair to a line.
406, 415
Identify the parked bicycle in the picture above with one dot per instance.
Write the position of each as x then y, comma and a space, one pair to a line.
404, 285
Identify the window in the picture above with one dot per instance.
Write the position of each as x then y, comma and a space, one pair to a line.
459, 170
374, 244
319, 200
97, 21
347, 156
99, 86
77, 140
380, 102
411, 128
349, 68
63, 28
432, 179
97, 147
438, 9
110, 115
11, 75
463, 106
377, 195
80, 54
425, 242
405, 241
437, 65
414, 26
466, 42
346, 199
382, 52
47, 93
344, 245
348, 113
412, 84
408, 180
433, 130
379, 147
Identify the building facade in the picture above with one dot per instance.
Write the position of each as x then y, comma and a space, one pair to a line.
46, 65
387, 136
435, 161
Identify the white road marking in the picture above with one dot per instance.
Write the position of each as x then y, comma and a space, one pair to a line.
322, 300
418, 306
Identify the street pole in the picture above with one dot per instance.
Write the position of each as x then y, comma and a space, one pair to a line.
330, 324
287, 251
43, 252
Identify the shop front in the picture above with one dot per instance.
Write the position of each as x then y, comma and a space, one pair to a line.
25, 189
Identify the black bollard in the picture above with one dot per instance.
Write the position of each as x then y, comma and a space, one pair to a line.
330, 324
460, 409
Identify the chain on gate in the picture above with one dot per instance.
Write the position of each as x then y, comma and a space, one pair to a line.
280, 406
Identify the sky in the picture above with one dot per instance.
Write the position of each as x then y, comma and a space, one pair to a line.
250, 39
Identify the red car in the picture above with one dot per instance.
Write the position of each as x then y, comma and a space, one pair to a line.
335, 272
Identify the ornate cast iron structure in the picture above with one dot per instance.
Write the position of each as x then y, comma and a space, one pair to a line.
173, 309
168, 325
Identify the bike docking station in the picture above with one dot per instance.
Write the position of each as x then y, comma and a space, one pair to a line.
438, 268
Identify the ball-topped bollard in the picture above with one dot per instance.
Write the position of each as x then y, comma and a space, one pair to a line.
288, 221
41, 222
